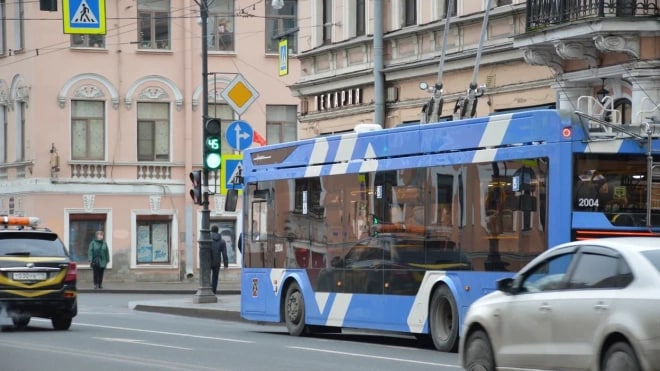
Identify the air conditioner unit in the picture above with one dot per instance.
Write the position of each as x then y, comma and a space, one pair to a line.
392, 94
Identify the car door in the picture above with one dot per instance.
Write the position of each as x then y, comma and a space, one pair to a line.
583, 306
526, 322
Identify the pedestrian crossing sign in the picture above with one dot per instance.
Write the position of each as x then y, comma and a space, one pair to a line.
230, 172
84, 17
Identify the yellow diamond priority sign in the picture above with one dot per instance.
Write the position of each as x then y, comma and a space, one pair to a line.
239, 94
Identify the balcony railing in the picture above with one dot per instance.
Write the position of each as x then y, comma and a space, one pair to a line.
544, 13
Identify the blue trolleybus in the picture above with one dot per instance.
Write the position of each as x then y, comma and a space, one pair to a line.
402, 229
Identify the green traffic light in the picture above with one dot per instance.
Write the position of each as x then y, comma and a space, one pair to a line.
212, 161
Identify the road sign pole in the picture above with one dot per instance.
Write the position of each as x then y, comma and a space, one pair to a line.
204, 293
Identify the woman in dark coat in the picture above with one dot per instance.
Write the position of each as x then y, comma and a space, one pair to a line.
99, 257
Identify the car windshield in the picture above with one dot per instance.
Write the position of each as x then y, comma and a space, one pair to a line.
654, 257
30, 244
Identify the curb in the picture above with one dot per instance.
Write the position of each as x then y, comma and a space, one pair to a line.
225, 315
155, 291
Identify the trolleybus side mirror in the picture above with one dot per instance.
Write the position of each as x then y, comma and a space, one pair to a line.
231, 200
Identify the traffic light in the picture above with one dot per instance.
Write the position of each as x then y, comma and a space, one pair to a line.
48, 5
212, 144
196, 191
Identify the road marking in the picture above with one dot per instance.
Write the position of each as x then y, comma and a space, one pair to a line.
376, 357
141, 342
125, 359
161, 332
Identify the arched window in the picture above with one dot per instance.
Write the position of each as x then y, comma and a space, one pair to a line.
624, 107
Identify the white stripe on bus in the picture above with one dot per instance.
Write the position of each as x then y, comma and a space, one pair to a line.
338, 310
493, 134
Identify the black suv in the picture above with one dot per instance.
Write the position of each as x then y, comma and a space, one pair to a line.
37, 276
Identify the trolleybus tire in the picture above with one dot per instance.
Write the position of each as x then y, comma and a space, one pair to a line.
620, 356
294, 311
443, 320
479, 352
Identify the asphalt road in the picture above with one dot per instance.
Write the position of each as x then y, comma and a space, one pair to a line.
107, 335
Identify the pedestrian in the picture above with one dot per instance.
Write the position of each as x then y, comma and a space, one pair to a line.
218, 256
99, 257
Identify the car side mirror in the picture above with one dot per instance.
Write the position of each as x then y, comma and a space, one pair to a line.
505, 285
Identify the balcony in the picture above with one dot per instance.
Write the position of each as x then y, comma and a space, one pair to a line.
586, 32
546, 13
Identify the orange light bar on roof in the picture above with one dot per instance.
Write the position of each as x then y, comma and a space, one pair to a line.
588, 235
19, 220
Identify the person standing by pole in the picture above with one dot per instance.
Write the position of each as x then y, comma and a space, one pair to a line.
218, 256
99, 257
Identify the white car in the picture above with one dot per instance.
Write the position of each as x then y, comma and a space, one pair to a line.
586, 305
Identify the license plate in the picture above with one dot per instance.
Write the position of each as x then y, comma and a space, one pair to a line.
29, 276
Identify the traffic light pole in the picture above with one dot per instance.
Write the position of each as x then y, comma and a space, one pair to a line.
204, 293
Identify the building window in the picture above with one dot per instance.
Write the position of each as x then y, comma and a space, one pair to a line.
154, 18
624, 107
327, 21
446, 8
360, 18
3, 134
153, 131
3, 28
220, 25
88, 41
19, 27
20, 132
153, 239
226, 115
87, 130
82, 230
503, 2
410, 13
280, 21
281, 124
227, 231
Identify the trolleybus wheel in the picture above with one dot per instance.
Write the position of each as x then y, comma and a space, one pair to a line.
443, 320
294, 311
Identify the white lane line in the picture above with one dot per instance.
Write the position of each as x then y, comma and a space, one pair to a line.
376, 357
131, 361
141, 342
162, 333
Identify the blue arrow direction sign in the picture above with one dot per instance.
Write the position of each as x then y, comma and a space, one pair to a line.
85, 17
231, 164
239, 135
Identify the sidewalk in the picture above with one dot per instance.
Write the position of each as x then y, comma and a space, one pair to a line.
226, 308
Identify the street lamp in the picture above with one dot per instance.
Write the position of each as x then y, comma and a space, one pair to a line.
277, 4
602, 93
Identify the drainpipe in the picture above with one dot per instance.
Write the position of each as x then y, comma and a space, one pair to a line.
379, 77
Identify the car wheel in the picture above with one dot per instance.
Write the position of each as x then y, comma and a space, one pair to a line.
21, 321
294, 311
620, 357
443, 320
61, 322
479, 352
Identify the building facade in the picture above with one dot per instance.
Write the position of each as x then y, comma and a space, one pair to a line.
100, 131
536, 54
